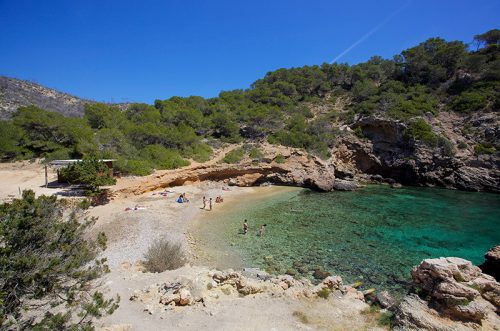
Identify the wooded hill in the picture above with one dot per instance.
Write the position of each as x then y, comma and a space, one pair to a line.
300, 107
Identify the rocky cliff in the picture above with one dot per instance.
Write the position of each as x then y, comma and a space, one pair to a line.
387, 152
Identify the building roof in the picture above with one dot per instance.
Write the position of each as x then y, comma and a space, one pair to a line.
67, 162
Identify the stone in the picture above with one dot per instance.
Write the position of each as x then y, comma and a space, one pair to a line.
169, 297
352, 293
385, 300
321, 274
248, 286
185, 297
333, 282
344, 185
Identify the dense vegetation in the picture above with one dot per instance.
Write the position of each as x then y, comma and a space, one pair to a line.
299, 107
47, 264
90, 173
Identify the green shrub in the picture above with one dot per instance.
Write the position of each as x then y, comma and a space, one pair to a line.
484, 148
279, 158
256, 153
372, 309
200, 152
162, 158
163, 255
91, 173
234, 156
134, 167
359, 132
446, 145
84, 204
469, 101
386, 319
47, 260
462, 145
419, 129
324, 293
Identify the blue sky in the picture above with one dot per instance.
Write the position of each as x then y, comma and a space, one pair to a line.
145, 50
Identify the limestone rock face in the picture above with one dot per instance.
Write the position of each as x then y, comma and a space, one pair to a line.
460, 297
414, 313
297, 169
387, 150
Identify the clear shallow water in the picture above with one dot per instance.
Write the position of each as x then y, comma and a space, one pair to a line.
374, 235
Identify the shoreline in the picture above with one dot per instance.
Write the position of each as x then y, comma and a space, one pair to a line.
224, 255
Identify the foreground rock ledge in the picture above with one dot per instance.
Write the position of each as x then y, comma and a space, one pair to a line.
453, 295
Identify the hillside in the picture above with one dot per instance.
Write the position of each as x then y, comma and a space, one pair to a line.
429, 116
15, 93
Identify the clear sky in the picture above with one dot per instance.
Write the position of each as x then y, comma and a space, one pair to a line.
124, 50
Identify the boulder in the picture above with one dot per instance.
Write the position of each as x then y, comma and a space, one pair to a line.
413, 313
459, 296
385, 300
344, 185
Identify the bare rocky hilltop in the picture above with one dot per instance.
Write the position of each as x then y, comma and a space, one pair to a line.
15, 93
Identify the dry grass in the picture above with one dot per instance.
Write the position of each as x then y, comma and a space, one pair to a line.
163, 255
301, 316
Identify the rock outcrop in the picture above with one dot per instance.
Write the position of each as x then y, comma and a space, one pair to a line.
210, 286
389, 151
492, 264
458, 297
297, 169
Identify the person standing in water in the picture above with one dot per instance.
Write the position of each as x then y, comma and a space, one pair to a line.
210, 204
262, 229
245, 227
204, 202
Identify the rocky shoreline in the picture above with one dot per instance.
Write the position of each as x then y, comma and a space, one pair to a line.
448, 294
384, 154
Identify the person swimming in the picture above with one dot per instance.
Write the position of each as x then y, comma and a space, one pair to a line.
262, 229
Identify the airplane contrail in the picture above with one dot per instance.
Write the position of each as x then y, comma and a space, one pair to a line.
372, 31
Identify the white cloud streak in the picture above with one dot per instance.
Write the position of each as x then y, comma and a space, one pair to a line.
372, 31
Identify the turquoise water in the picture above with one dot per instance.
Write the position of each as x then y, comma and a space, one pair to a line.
374, 235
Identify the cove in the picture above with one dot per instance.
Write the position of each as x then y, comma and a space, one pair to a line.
374, 235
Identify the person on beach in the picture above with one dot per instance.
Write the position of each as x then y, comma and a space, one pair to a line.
210, 204
184, 198
180, 199
262, 229
204, 202
245, 227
